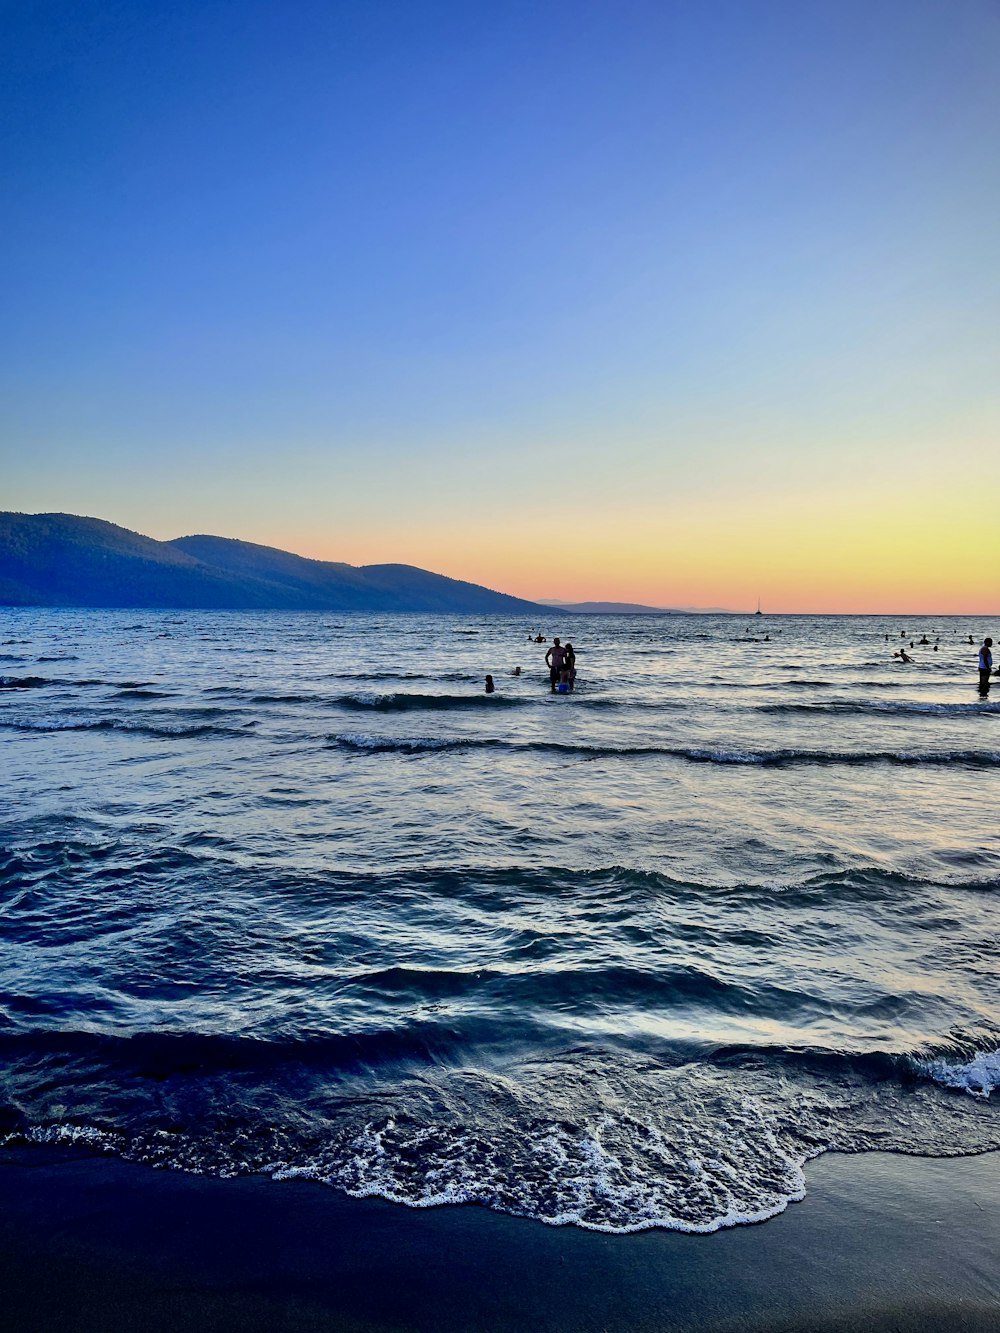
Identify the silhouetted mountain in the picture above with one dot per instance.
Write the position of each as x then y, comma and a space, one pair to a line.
65, 560
609, 608
632, 609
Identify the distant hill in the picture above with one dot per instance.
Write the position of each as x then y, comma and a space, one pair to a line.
65, 560
629, 608
610, 608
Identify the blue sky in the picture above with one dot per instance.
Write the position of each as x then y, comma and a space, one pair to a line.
420, 281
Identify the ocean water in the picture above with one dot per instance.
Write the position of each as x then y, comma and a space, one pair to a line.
289, 894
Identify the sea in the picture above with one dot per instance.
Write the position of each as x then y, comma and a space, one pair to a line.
291, 895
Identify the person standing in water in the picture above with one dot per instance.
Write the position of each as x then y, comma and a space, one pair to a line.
985, 666
569, 666
554, 660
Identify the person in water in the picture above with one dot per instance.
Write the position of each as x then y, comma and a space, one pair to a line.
903, 655
985, 666
569, 667
490, 687
554, 660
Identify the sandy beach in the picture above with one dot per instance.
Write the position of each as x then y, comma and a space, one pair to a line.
881, 1242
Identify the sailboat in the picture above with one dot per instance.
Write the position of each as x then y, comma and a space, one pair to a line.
758, 612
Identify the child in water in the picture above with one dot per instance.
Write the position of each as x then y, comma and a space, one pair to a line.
490, 687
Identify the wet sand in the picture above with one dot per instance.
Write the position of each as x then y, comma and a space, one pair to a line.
881, 1242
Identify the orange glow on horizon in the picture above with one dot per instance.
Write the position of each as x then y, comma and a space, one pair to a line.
844, 555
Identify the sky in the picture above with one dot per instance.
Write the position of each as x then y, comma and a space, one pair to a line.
684, 303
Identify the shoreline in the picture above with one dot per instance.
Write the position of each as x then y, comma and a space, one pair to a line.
879, 1242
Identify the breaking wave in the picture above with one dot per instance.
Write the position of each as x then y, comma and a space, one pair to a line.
781, 757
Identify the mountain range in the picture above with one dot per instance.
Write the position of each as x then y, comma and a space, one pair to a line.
630, 608
66, 560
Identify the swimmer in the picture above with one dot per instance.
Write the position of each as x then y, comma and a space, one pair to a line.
490, 687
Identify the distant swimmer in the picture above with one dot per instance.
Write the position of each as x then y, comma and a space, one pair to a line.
554, 660
516, 671
903, 655
985, 666
925, 639
490, 687
540, 638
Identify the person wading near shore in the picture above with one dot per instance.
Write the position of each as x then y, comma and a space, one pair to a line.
985, 666
554, 660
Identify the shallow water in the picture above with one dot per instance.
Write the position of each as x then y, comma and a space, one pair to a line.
290, 893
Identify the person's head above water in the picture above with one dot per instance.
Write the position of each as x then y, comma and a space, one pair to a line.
987, 643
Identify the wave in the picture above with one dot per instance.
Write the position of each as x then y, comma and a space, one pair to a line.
878, 706
26, 682
464, 676
776, 758
616, 885
114, 724
978, 1076
800, 683
39, 682
592, 1136
404, 703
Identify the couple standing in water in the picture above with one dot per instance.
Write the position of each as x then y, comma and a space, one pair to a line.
561, 662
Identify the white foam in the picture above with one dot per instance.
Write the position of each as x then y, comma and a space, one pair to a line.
979, 1076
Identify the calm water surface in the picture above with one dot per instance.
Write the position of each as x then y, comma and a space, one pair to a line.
291, 894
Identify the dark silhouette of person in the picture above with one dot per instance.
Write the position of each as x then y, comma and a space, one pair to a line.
985, 666
554, 660
569, 666
490, 687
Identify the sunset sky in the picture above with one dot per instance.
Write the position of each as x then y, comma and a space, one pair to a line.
672, 302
